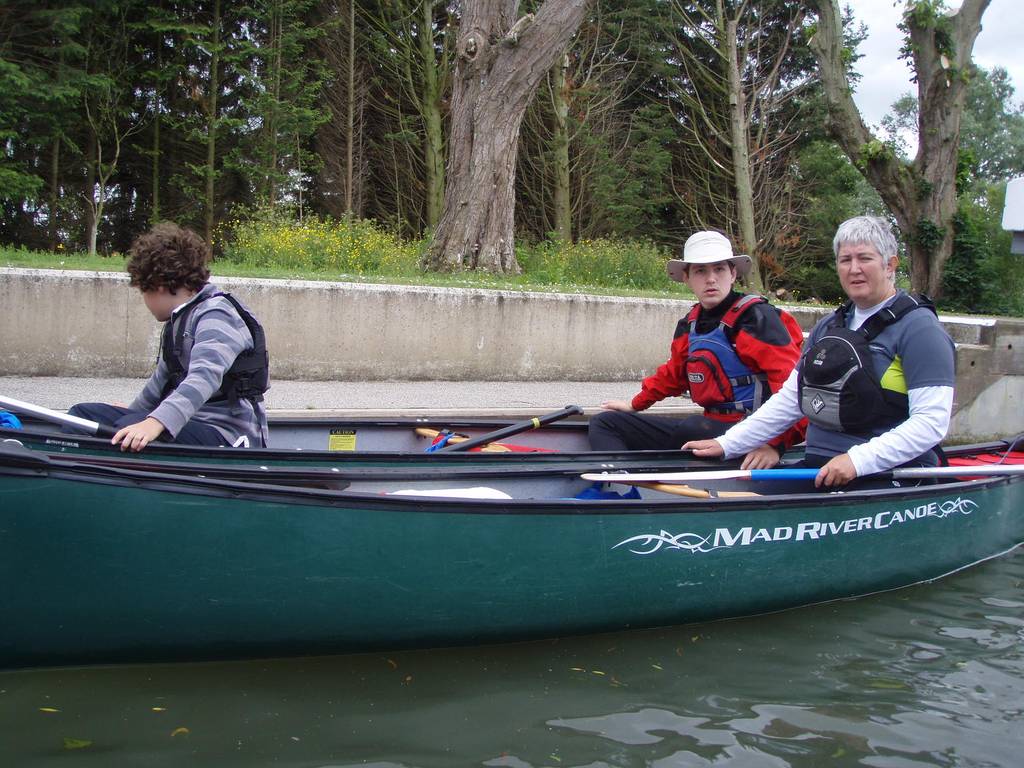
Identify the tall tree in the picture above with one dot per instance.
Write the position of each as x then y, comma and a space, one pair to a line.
284, 78
416, 58
338, 141
499, 64
993, 126
741, 74
42, 76
212, 120
920, 194
572, 125
108, 107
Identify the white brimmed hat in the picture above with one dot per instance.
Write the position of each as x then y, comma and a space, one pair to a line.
707, 248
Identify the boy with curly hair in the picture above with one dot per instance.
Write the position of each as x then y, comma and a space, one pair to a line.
213, 369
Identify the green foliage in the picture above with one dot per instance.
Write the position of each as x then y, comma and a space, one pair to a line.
347, 248
284, 87
992, 128
273, 243
931, 15
928, 235
16, 184
982, 275
40, 81
629, 193
875, 151
966, 162
646, 169
609, 263
832, 191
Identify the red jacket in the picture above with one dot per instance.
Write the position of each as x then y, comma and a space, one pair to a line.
765, 338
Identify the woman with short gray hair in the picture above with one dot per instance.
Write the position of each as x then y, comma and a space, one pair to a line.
872, 230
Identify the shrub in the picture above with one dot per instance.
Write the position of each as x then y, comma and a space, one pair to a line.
633, 264
273, 238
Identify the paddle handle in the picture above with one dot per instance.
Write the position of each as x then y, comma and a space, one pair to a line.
514, 429
46, 414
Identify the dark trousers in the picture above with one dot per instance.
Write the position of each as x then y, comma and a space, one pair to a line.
193, 433
621, 431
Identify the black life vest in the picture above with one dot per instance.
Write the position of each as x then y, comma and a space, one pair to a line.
718, 380
838, 386
247, 378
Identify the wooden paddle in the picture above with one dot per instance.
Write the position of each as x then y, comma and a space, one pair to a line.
514, 429
56, 417
694, 493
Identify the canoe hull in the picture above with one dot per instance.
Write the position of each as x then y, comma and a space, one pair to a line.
108, 570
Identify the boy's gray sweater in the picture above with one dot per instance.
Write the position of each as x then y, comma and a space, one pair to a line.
214, 336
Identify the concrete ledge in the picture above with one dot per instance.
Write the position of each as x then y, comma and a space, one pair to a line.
92, 324
63, 323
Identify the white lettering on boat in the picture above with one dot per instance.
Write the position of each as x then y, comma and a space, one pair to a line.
723, 538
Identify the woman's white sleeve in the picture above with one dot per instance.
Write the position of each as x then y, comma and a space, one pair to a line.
779, 413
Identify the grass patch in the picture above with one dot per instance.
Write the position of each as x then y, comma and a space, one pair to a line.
23, 257
272, 245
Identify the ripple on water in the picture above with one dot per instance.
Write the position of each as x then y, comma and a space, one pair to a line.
928, 676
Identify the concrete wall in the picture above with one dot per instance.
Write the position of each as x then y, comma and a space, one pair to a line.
55, 323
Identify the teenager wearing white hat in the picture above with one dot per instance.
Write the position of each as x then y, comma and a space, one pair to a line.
730, 353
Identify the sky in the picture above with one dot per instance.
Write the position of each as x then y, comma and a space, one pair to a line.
886, 77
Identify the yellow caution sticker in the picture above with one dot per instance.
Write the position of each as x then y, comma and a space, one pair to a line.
342, 440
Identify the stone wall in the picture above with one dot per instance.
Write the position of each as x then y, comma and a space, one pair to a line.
72, 323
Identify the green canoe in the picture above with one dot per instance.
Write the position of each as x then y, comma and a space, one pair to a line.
106, 564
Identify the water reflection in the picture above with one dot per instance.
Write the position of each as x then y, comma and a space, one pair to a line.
927, 676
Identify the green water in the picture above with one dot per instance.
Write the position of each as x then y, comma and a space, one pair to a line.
927, 676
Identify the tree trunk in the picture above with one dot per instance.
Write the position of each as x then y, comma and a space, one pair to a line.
433, 134
922, 194
154, 215
498, 68
560, 151
54, 190
276, 33
740, 152
211, 137
350, 106
91, 220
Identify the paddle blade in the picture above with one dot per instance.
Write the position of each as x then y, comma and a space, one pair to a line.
56, 417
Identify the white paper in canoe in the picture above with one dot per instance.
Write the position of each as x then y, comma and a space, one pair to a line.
478, 492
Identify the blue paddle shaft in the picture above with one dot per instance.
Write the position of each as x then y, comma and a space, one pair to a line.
783, 474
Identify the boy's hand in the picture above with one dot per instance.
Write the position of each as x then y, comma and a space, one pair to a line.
135, 437
618, 405
764, 457
711, 449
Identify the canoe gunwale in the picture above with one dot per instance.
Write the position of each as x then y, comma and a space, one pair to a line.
194, 483
169, 451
